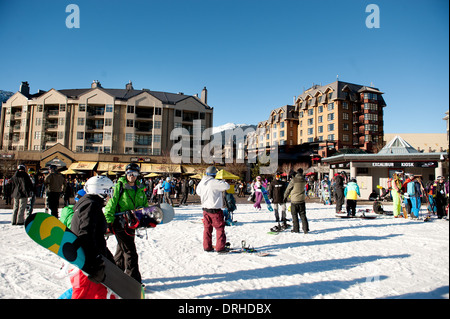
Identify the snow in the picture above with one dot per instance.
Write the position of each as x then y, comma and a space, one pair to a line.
338, 259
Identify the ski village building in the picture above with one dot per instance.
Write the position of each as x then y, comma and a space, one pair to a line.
97, 128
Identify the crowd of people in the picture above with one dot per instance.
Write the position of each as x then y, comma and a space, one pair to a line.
100, 199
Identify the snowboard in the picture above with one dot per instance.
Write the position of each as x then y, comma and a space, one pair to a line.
147, 217
358, 215
266, 199
50, 233
275, 231
243, 249
326, 197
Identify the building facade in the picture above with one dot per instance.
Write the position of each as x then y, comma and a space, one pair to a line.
99, 120
350, 115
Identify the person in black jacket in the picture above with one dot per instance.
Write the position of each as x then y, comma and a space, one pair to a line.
339, 191
21, 188
276, 193
89, 224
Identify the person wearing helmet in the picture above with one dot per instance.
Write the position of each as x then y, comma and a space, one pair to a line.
211, 191
21, 189
167, 190
351, 192
34, 182
339, 191
89, 224
129, 194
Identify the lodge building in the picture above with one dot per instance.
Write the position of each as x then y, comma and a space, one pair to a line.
96, 122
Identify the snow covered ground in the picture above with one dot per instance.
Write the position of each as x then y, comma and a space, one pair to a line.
339, 258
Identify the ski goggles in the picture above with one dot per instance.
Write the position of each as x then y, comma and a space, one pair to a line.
132, 173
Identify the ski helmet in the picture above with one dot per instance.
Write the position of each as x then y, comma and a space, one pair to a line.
21, 167
211, 171
99, 185
133, 167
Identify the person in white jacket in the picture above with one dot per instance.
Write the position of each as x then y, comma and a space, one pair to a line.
211, 191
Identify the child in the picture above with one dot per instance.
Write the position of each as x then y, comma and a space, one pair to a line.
351, 193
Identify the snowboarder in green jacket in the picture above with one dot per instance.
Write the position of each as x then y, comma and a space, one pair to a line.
129, 194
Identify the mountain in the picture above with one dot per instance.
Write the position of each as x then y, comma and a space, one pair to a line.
231, 126
4, 95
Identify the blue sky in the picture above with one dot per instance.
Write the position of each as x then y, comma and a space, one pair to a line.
252, 55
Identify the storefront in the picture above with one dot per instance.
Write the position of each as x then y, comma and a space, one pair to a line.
372, 170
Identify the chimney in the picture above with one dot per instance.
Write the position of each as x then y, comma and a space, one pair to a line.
25, 88
96, 84
129, 86
204, 96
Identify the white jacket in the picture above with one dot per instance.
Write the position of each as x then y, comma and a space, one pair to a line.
210, 191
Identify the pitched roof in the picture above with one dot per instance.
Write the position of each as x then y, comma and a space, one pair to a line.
398, 146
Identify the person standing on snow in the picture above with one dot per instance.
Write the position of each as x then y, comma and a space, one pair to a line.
55, 184
21, 189
276, 193
210, 191
89, 224
351, 193
129, 194
167, 189
296, 189
441, 197
258, 193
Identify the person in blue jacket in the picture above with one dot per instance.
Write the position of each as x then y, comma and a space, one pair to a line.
351, 193
167, 189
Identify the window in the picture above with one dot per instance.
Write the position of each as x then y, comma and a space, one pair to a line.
275, 125
345, 138
129, 137
310, 131
62, 107
311, 112
82, 108
330, 106
330, 127
310, 139
320, 119
370, 96
330, 116
80, 135
79, 149
130, 123
130, 108
300, 115
108, 122
61, 121
38, 121
157, 139
40, 108
320, 109
310, 121
60, 135
202, 115
274, 134
80, 121
37, 135
320, 129
178, 113
158, 111
282, 134
157, 124
345, 116
345, 105
108, 108
108, 136
371, 106
346, 127
331, 137
370, 117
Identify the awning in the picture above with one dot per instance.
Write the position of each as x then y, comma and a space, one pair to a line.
194, 169
112, 167
83, 166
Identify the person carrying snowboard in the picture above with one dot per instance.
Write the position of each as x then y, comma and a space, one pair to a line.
89, 224
129, 194
276, 193
296, 189
210, 191
258, 194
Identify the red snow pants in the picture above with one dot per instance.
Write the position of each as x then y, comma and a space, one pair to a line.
214, 220
83, 288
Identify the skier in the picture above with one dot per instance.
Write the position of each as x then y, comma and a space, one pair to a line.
339, 191
230, 206
258, 194
21, 188
351, 193
210, 191
129, 194
296, 189
89, 224
276, 193
406, 196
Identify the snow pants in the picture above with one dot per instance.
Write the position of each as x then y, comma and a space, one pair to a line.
397, 203
258, 199
296, 210
126, 256
214, 220
83, 288
415, 206
18, 215
283, 212
340, 199
351, 207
